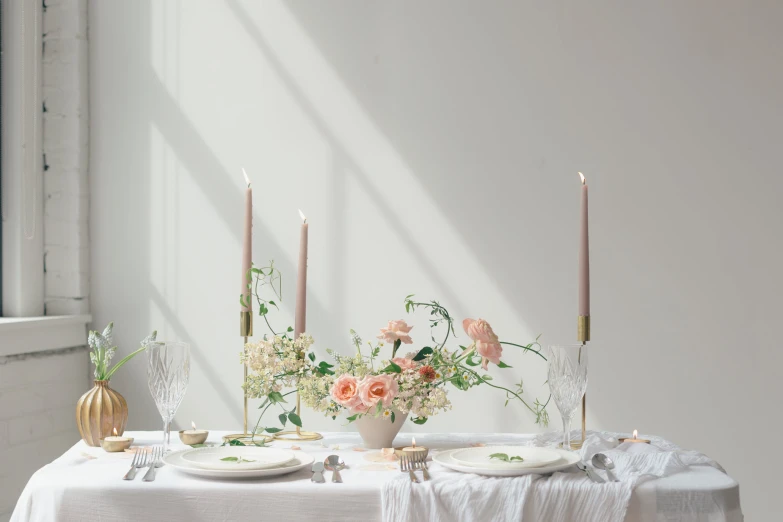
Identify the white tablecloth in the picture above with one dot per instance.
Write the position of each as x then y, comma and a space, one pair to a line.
86, 484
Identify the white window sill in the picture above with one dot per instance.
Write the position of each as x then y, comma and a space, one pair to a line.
23, 335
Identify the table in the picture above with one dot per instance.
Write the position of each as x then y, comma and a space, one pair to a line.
85, 484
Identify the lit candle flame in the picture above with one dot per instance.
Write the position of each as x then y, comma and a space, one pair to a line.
301, 214
413, 442
193, 424
247, 180
115, 432
635, 434
582, 176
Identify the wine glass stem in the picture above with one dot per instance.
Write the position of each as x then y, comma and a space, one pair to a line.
566, 432
166, 434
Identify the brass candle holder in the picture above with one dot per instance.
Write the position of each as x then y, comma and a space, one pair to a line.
245, 331
582, 335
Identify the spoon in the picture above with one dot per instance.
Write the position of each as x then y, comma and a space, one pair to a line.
334, 464
318, 472
603, 462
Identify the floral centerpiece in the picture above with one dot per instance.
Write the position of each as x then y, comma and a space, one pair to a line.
368, 384
377, 381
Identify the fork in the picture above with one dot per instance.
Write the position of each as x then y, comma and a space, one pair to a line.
420, 462
139, 461
155, 462
406, 465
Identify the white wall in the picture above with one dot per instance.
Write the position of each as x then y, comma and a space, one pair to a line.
434, 147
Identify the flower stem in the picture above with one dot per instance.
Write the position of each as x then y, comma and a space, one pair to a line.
528, 348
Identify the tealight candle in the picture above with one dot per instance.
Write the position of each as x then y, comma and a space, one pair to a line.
635, 438
413, 449
193, 436
116, 443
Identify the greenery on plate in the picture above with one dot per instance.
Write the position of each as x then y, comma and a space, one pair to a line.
238, 460
506, 458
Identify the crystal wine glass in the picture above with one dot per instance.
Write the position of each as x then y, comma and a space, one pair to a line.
168, 373
567, 382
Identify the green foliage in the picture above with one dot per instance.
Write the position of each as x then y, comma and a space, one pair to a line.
506, 458
423, 353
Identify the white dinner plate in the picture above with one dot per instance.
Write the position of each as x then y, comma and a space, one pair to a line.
567, 459
480, 457
248, 457
175, 460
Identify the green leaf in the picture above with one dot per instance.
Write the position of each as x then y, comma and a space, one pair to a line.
274, 304
353, 417
499, 456
392, 417
424, 352
419, 420
273, 430
235, 442
379, 407
230, 459
517, 457
294, 418
392, 368
276, 397
283, 418
290, 329
471, 362
242, 300
198, 445
311, 356
501, 364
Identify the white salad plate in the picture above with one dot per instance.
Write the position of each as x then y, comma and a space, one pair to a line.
532, 457
301, 460
566, 460
248, 457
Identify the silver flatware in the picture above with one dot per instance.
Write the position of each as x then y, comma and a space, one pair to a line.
420, 462
139, 461
603, 462
592, 475
334, 464
155, 462
318, 472
406, 465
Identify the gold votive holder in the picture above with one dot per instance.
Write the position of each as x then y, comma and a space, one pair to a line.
401, 450
632, 439
116, 444
191, 437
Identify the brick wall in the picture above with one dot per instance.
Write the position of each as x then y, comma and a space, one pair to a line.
66, 155
38, 394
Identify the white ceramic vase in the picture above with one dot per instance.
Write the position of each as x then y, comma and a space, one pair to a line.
379, 432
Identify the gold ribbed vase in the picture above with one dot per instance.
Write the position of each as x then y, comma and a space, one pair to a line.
99, 412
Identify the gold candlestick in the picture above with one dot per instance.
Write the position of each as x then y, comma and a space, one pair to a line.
245, 330
582, 335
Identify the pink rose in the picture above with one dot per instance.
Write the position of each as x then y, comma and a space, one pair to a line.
487, 342
345, 391
489, 351
479, 330
374, 388
404, 363
396, 330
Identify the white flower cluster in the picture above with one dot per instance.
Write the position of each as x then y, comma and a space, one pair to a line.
275, 363
419, 397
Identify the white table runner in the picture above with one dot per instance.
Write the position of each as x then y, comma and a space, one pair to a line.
78, 487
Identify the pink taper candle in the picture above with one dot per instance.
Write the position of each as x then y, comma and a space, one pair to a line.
584, 256
247, 245
300, 322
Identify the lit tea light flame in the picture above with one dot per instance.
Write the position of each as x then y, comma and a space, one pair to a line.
582, 176
413, 442
247, 179
115, 432
193, 424
301, 214
635, 434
